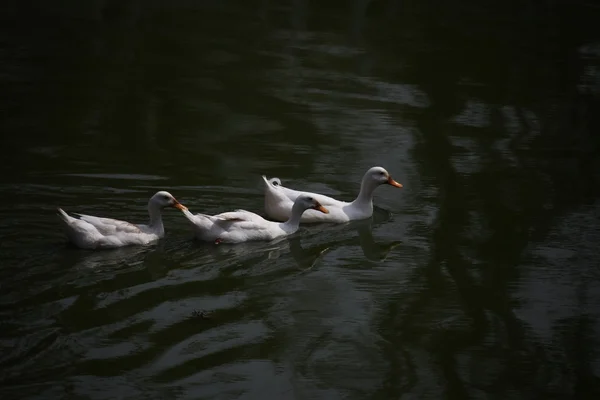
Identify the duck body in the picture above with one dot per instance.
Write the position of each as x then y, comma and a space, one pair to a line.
243, 226
279, 200
93, 233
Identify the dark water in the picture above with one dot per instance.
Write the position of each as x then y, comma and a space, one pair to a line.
479, 279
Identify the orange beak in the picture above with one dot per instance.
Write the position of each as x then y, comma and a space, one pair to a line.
319, 207
179, 206
394, 183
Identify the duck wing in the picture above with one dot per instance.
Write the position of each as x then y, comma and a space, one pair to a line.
109, 226
242, 219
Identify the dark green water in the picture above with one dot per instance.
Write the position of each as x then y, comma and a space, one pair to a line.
478, 280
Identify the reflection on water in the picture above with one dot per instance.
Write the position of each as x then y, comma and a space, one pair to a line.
478, 280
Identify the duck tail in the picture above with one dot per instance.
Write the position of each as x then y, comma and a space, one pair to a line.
265, 180
63, 215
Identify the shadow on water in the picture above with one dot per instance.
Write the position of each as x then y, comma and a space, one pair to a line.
320, 239
497, 193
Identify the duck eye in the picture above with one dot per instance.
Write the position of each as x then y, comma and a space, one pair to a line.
275, 183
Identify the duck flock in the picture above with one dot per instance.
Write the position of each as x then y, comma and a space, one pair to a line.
287, 207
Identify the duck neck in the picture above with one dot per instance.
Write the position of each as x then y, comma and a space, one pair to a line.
293, 223
156, 223
365, 196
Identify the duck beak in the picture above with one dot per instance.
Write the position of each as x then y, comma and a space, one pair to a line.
319, 207
392, 182
179, 206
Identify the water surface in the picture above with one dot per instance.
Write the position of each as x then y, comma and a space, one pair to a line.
479, 279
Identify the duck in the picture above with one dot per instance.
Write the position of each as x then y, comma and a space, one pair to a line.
244, 226
93, 233
279, 200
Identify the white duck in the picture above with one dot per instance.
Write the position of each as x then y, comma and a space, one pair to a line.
242, 226
89, 232
279, 200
